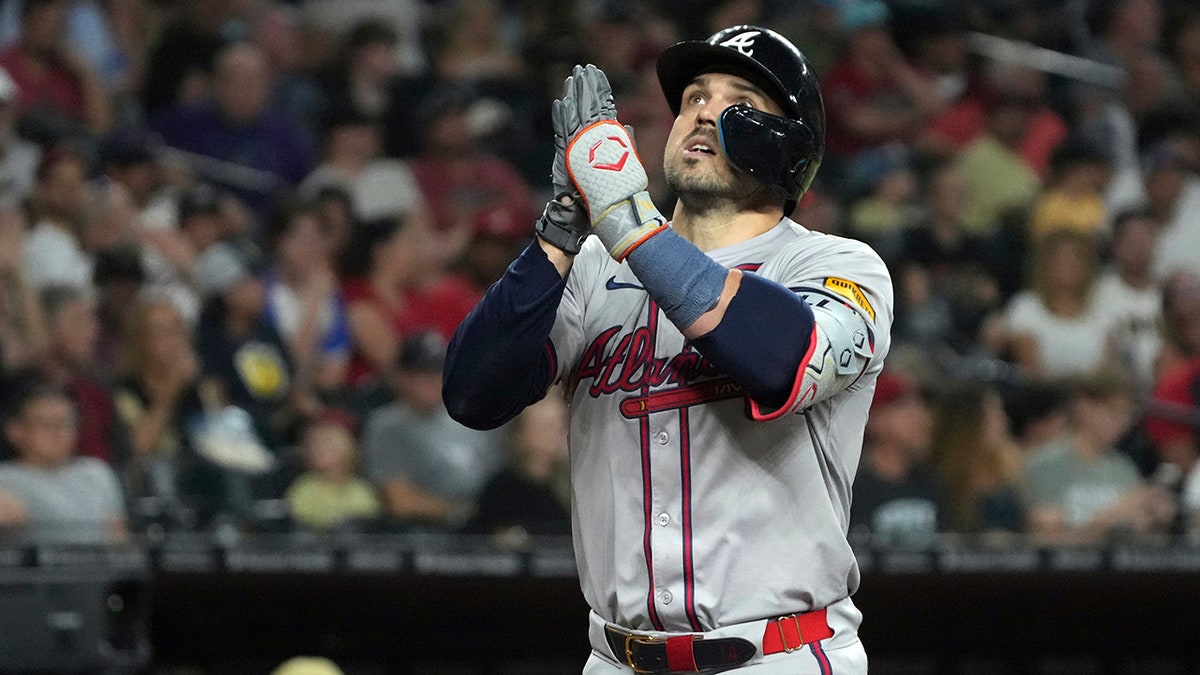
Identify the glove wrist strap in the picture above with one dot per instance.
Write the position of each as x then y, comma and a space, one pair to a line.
627, 224
564, 225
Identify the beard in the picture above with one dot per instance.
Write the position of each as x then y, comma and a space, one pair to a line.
692, 181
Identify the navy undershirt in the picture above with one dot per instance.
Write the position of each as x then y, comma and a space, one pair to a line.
500, 359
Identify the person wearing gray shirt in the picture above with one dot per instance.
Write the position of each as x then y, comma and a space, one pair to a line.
429, 468
57, 496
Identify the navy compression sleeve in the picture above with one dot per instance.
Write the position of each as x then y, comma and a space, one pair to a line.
761, 340
498, 361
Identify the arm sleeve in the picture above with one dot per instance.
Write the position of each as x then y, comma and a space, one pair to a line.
762, 341
500, 358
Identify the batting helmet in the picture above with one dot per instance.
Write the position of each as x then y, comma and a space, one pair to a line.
783, 152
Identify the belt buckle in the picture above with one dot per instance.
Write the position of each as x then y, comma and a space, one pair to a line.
783, 636
632, 639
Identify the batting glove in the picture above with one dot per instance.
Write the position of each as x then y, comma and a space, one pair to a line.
586, 98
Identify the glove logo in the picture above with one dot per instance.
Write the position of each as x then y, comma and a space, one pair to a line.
743, 42
608, 166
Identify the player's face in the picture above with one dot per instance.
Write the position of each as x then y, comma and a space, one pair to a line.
693, 161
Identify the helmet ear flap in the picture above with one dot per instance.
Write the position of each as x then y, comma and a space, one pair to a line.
783, 153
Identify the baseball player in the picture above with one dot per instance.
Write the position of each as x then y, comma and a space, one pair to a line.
719, 368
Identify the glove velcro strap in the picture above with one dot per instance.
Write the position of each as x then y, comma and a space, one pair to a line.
564, 225
622, 230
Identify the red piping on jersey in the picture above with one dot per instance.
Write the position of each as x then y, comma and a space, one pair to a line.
756, 412
685, 475
647, 492
552, 358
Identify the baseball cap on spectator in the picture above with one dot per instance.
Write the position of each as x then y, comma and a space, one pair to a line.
499, 221
220, 268
891, 387
423, 351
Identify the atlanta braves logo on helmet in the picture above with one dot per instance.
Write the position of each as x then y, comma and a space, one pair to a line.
743, 42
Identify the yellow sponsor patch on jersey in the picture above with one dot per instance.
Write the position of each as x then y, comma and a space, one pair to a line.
850, 290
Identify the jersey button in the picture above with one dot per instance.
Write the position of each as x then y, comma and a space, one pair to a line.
664, 519
665, 597
662, 437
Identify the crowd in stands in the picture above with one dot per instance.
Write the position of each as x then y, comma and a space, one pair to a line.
236, 236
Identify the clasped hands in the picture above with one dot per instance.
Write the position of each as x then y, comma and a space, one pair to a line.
596, 165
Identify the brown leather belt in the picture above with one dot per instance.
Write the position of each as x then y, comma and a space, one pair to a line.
691, 653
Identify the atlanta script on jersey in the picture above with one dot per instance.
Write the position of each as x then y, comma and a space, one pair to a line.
742, 512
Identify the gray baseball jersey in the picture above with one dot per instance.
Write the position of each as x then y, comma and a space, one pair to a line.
694, 508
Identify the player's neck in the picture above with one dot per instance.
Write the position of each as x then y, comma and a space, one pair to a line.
717, 227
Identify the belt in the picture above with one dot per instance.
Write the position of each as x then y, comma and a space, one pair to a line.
691, 653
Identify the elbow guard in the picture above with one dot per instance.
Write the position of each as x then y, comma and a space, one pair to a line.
843, 347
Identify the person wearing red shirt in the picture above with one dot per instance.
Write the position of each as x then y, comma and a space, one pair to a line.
58, 91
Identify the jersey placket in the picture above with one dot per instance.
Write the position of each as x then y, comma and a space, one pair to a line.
669, 511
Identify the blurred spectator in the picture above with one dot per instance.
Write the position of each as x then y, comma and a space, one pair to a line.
244, 360
18, 157
1037, 413
54, 252
1183, 48
1074, 193
304, 303
329, 494
275, 28
238, 125
1180, 322
1055, 326
1173, 197
429, 468
22, 327
875, 101
62, 497
888, 207
1000, 174
368, 79
397, 285
1080, 488
1129, 292
59, 93
474, 46
1173, 424
70, 363
530, 495
170, 252
131, 159
935, 37
897, 498
457, 176
380, 187
497, 239
157, 396
977, 460
180, 61
405, 19
117, 279
334, 207
942, 273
